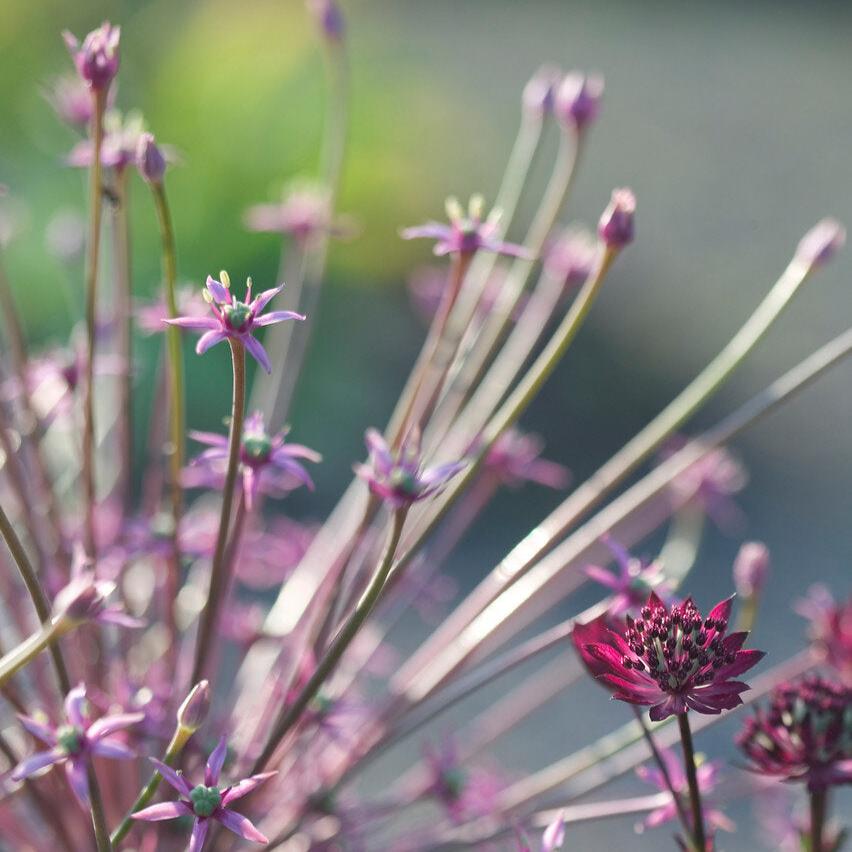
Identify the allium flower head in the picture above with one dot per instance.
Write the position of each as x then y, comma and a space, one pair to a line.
150, 316
616, 226
632, 581
570, 257
71, 99
399, 478
235, 319
268, 464
467, 233
207, 801
122, 134
708, 775
515, 458
540, 92
671, 660
830, 629
578, 99
97, 58
75, 742
804, 734
305, 213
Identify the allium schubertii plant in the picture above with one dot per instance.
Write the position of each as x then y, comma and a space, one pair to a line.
191, 633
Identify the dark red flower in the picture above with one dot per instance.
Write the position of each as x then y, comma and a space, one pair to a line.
671, 660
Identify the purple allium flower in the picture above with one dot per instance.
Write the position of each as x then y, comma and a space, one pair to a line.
804, 734
84, 598
329, 18
464, 793
540, 92
467, 233
71, 99
830, 629
75, 742
578, 99
97, 58
751, 568
632, 582
515, 459
235, 319
399, 478
671, 660
149, 159
616, 226
207, 802
821, 243
267, 557
570, 257
708, 778
150, 316
305, 213
268, 464
122, 134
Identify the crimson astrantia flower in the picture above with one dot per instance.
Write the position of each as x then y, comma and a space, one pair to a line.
399, 477
97, 58
235, 319
631, 583
830, 628
207, 801
467, 233
268, 465
75, 742
804, 734
671, 660
708, 775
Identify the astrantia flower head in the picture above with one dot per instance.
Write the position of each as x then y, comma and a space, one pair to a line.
235, 319
830, 629
671, 660
467, 233
97, 58
804, 734
578, 99
75, 742
268, 464
207, 801
632, 581
399, 477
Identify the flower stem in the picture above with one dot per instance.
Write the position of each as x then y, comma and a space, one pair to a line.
219, 567
692, 780
177, 403
173, 751
819, 802
338, 646
24, 653
93, 247
39, 599
97, 805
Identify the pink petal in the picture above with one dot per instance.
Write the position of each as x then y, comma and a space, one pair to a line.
256, 350
197, 323
36, 762
75, 770
164, 810
218, 291
110, 724
208, 339
431, 230
39, 730
113, 749
212, 439
722, 610
199, 835
239, 825
74, 703
263, 299
215, 763
277, 316
245, 787
176, 779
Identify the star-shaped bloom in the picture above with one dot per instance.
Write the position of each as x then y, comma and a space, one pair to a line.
466, 233
671, 660
515, 458
399, 477
97, 58
208, 801
75, 742
268, 465
235, 319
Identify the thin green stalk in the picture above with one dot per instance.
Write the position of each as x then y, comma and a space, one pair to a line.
177, 401
93, 250
25, 652
39, 598
819, 808
338, 646
173, 751
692, 780
97, 805
219, 570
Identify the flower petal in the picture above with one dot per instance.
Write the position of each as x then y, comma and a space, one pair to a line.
277, 316
218, 291
75, 770
110, 724
256, 350
36, 762
164, 810
39, 730
199, 835
215, 763
193, 322
75, 703
263, 299
208, 339
176, 779
212, 439
240, 825
245, 787
114, 749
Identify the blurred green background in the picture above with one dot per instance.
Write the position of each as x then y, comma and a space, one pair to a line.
731, 121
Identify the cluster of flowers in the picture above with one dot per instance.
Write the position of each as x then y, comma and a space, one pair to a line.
249, 646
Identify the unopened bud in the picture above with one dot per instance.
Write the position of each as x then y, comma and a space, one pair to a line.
821, 243
578, 99
539, 95
149, 159
97, 58
329, 18
751, 568
192, 713
616, 226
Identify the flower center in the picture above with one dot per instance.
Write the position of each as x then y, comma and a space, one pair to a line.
256, 448
205, 800
453, 781
237, 316
403, 481
69, 739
